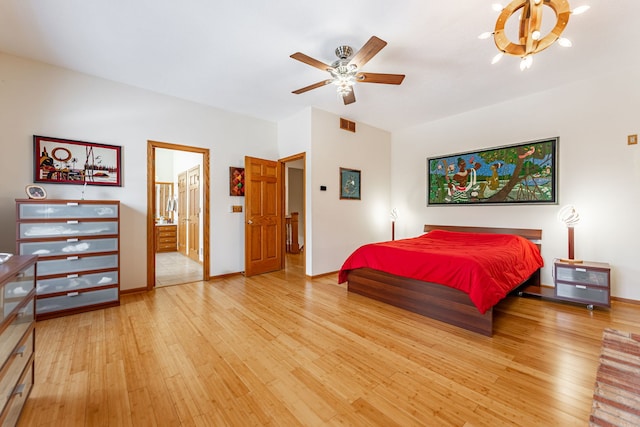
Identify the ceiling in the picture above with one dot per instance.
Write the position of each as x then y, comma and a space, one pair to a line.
235, 55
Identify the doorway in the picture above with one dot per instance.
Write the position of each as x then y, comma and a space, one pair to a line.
198, 265
295, 199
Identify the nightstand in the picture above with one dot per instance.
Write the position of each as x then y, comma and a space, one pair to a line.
586, 283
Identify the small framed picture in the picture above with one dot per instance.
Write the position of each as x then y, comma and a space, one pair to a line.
349, 184
35, 192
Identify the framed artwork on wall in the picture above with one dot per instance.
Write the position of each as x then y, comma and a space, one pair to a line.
236, 181
524, 173
350, 184
65, 161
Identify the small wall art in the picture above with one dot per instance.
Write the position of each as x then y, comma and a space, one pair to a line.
65, 161
236, 181
524, 173
350, 184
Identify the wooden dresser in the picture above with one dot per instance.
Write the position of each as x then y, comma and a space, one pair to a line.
166, 237
17, 335
78, 244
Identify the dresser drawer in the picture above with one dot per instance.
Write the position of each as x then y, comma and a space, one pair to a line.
588, 294
11, 336
76, 300
74, 264
32, 230
14, 368
67, 210
16, 290
76, 282
69, 247
18, 397
585, 276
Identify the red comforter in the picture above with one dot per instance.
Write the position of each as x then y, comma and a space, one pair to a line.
485, 266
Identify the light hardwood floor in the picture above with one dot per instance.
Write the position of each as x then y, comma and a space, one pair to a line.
282, 350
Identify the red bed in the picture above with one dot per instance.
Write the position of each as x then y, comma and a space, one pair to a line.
452, 274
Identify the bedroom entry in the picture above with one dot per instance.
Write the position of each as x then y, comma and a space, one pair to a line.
266, 203
177, 242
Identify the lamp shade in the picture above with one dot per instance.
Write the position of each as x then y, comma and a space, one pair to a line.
569, 216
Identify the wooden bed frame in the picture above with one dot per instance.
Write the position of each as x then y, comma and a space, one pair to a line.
433, 300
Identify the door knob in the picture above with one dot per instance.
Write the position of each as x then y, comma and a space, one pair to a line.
249, 222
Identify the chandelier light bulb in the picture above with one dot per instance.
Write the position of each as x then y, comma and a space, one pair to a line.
497, 58
535, 35
497, 7
580, 9
564, 42
526, 62
485, 35
537, 1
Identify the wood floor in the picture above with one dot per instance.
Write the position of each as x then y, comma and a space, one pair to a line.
282, 350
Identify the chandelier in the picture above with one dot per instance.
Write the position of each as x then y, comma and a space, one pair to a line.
531, 39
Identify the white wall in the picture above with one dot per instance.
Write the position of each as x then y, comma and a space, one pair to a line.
598, 172
44, 100
340, 226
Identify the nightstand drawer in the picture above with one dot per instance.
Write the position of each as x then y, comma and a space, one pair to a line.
585, 276
588, 294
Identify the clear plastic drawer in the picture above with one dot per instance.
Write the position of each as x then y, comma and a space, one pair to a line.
69, 247
67, 210
68, 228
19, 287
10, 337
76, 282
18, 398
582, 275
76, 264
76, 300
18, 361
583, 293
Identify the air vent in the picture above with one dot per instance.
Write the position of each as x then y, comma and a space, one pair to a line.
347, 125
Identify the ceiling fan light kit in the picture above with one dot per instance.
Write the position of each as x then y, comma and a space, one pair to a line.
531, 40
346, 70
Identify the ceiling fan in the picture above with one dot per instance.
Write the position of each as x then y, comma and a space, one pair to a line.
345, 71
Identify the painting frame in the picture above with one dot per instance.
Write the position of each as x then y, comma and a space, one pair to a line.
236, 181
55, 161
350, 184
522, 173
35, 192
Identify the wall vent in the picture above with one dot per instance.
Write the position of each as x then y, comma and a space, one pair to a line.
347, 125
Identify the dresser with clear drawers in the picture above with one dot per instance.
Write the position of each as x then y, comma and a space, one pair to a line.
17, 335
77, 242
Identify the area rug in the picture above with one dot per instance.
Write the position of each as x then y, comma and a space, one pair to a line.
616, 398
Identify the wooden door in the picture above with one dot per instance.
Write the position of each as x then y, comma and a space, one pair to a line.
263, 216
182, 213
193, 236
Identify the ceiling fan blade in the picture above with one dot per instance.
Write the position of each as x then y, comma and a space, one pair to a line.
310, 61
349, 97
390, 79
368, 51
310, 87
